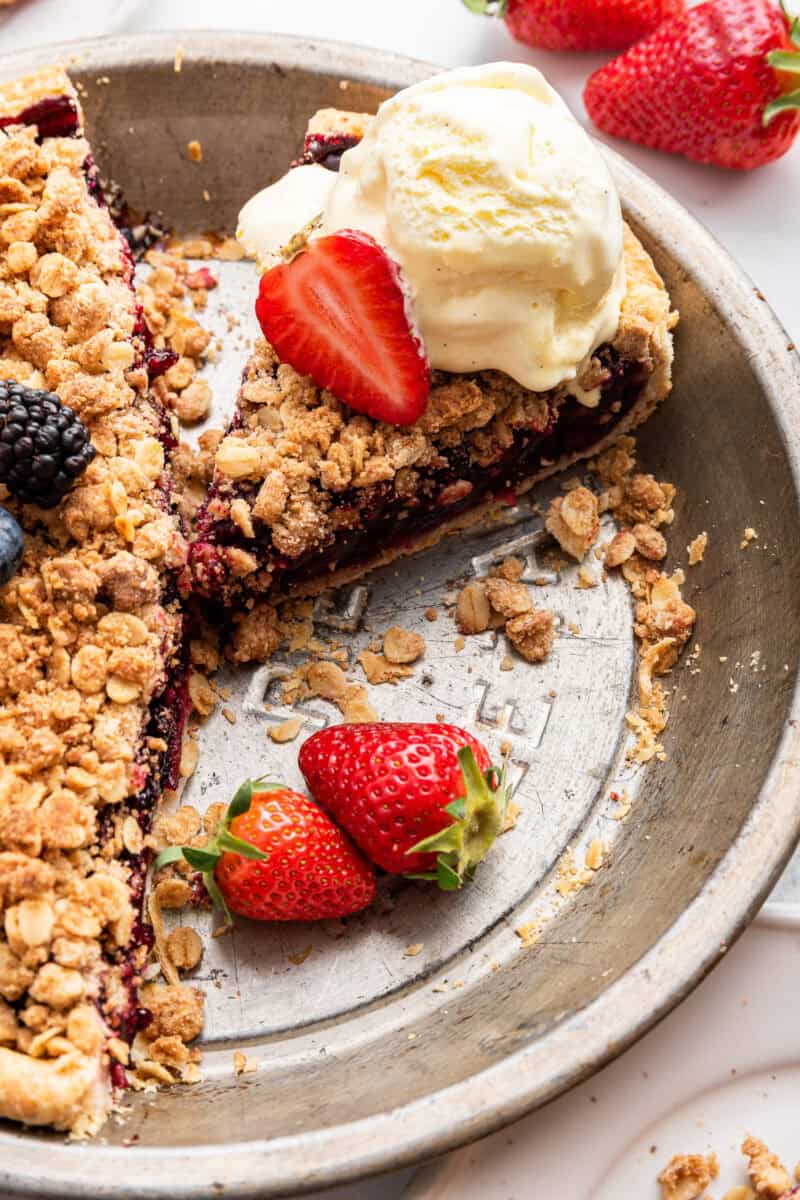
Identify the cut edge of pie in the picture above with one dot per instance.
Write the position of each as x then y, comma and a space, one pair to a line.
309, 495
92, 665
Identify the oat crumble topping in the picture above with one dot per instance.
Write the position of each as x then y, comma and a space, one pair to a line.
90, 635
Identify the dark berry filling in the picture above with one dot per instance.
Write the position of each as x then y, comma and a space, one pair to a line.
326, 151
376, 517
55, 116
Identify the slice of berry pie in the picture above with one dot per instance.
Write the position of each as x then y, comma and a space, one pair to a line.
313, 485
91, 663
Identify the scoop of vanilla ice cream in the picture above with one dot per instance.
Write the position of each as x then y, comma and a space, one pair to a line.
503, 216
272, 217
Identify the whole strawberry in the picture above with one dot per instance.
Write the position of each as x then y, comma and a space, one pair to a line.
720, 85
580, 24
276, 856
420, 800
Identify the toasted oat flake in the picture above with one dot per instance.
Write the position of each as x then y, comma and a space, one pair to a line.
402, 645
195, 150
229, 716
413, 950
287, 731
178, 61
378, 669
697, 549
184, 947
750, 535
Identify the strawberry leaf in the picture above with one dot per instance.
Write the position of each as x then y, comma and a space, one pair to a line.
794, 23
216, 897
241, 801
201, 860
447, 877
487, 8
170, 855
457, 809
235, 845
784, 60
479, 817
783, 104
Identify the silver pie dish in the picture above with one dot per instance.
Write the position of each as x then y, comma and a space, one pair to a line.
370, 1058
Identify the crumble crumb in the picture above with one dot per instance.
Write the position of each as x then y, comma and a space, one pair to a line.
459, 644
178, 61
300, 957
623, 805
287, 731
687, 1176
242, 1065
507, 599
529, 934
184, 947
506, 663
431, 614
473, 611
414, 950
201, 694
574, 521
697, 549
531, 634
510, 569
356, 708
749, 536
378, 669
596, 855
402, 646
570, 879
586, 579
195, 150
767, 1173
510, 820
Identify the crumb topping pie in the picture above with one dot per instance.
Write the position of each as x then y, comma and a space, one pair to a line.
92, 672
306, 493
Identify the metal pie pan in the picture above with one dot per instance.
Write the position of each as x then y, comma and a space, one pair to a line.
369, 1057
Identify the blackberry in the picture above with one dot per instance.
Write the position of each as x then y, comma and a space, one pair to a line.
12, 544
44, 446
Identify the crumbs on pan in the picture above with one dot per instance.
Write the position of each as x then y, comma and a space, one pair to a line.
663, 620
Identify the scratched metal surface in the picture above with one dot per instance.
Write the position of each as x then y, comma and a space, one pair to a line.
564, 720
368, 1059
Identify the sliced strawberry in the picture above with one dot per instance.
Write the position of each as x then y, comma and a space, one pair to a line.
338, 312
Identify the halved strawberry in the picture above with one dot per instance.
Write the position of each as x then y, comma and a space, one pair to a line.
338, 312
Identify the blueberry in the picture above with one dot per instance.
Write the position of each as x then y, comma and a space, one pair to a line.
12, 544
